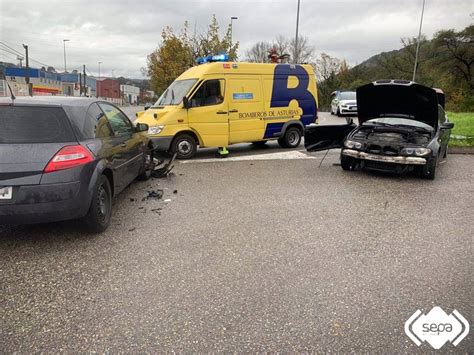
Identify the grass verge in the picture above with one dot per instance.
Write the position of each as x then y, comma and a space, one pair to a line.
462, 135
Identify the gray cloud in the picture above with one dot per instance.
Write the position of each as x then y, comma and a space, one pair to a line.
121, 33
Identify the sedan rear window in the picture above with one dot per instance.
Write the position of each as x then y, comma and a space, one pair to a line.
34, 125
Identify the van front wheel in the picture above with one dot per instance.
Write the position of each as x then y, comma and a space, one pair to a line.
184, 145
291, 138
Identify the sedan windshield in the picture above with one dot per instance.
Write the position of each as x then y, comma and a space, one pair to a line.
175, 92
396, 121
348, 95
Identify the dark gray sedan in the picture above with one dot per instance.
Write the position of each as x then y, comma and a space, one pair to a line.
65, 158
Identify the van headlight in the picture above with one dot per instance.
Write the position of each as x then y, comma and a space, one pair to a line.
352, 144
418, 151
153, 130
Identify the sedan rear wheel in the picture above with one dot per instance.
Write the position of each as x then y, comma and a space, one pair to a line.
98, 217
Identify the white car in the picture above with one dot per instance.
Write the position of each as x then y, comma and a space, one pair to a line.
344, 103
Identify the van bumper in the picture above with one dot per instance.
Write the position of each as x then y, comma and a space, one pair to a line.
161, 144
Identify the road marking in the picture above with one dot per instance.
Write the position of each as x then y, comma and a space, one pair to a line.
290, 155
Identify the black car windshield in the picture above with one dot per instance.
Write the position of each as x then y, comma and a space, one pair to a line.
175, 92
347, 95
396, 121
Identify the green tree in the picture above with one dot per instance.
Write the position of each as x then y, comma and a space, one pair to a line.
211, 43
178, 52
168, 61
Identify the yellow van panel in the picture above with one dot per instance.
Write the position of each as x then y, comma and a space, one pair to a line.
258, 99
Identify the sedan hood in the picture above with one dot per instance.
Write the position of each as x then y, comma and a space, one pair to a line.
399, 98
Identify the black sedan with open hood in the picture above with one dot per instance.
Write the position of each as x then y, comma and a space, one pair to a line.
402, 127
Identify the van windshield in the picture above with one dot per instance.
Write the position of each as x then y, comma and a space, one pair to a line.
175, 92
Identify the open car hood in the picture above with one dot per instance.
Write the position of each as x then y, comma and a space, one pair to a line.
397, 97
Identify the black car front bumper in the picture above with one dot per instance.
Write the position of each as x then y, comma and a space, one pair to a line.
389, 159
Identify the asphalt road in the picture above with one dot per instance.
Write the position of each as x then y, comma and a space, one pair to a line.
268, 250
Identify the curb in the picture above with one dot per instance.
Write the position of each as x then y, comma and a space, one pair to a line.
461, 150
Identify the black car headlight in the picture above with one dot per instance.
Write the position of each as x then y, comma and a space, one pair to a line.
352, 144
417, 151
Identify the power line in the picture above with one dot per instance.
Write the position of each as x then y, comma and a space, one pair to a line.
8, 51
19, 53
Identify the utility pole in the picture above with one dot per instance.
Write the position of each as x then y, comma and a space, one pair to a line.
295, 59
80, 84
64, 43
27, 77
84, 76
97, 83
418, 42
231, 30
20, 58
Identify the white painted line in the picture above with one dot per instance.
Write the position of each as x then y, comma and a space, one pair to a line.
290, 155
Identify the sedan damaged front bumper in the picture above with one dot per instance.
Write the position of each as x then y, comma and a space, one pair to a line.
384, 158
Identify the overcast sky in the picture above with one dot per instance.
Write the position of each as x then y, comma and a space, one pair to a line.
122, 33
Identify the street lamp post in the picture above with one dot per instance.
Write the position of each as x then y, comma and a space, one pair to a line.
295, 59
231, 29
418, 42
97, 83
64, 44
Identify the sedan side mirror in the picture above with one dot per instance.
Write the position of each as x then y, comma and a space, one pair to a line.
447, 125
185, 102
142, 127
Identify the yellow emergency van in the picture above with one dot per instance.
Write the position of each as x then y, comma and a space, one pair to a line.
218, 104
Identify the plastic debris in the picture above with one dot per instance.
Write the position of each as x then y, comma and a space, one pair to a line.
153, 194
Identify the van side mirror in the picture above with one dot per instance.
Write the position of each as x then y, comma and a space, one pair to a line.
185, 102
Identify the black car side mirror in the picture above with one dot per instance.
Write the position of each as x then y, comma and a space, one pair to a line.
147, 106
185, 102
447, 125
142, 127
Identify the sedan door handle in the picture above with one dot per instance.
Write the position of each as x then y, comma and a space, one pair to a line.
123, 145
234, 110
221, 112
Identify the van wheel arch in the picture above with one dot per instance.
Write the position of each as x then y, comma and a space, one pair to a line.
284, 141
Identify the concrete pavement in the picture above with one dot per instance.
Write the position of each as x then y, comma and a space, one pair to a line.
249, 255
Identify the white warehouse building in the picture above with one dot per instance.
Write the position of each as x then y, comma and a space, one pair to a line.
130, 94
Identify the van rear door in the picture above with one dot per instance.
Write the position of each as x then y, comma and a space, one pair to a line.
246, 109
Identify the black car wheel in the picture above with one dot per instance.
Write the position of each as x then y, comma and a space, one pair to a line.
429, 170
184, 145
291, 138
347, 163
98, 217
338, 112
148, 165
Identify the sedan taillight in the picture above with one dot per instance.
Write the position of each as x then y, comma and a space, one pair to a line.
68, 157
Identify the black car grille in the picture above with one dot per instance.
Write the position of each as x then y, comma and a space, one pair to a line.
386, 150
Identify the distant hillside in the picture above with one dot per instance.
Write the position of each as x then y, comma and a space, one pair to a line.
446, 61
